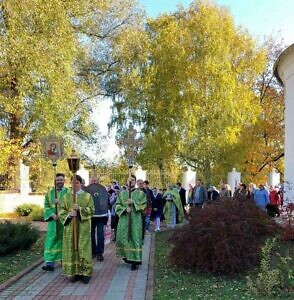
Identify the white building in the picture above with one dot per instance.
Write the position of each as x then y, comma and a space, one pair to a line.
284, 71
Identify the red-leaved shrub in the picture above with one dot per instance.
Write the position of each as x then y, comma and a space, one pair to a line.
287, 234
224, 238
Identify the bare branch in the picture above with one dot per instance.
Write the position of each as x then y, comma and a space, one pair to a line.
105, 35
270, 161
98, 71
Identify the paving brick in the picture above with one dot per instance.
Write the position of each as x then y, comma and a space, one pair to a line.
115, 296
112, 279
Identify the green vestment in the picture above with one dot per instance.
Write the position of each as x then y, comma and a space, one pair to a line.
53, 241
132, 249
176, 200
77, 262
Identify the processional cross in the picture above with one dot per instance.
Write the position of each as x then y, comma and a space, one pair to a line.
131, 145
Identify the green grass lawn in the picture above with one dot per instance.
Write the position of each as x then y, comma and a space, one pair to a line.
12, 264
174, 283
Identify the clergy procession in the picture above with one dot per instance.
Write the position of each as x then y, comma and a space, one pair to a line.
147, 149
77, 216
80, 216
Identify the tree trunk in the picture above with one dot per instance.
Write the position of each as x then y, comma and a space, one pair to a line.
14, 158
162, 174
207, 174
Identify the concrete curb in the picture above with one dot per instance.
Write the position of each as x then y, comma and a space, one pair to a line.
150, 277
15, 278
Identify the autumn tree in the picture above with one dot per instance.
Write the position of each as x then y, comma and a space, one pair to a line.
37, 51
102, 27
190, 88
55, 56
265, 138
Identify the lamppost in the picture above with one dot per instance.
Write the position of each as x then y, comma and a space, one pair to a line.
131, 145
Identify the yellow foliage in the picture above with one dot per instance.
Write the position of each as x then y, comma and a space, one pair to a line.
191, 88
49, 70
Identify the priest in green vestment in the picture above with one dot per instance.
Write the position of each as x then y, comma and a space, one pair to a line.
130, 249
78, 263
173, 203
54, 233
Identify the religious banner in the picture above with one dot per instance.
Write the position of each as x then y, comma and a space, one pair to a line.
52, 147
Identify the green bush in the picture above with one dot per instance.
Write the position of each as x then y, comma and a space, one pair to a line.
26, 209
23, 210
16, 236
37, 213
275, 273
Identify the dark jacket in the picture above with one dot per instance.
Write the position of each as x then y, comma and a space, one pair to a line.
243, 195
157, 206
150, 200
182, 193
202, 195
212, 195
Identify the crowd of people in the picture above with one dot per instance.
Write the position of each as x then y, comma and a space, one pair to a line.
77, 217
266, 198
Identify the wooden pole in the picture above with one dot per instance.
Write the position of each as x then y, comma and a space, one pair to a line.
75, 218
54, 164
130, 206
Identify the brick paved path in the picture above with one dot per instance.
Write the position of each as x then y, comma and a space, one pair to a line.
112, 280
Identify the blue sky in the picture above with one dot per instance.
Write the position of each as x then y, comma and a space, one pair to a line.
260, 17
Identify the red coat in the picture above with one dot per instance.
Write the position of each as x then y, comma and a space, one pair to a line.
275, 198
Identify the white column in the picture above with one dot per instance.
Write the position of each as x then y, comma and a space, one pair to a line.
234, 178
84, 174
284, 71
274, 178
24, 179
140, 174
189, 178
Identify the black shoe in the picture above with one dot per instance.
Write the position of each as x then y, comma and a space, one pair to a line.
74, 278
100, 257
85, 279
48, 268
133, 267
